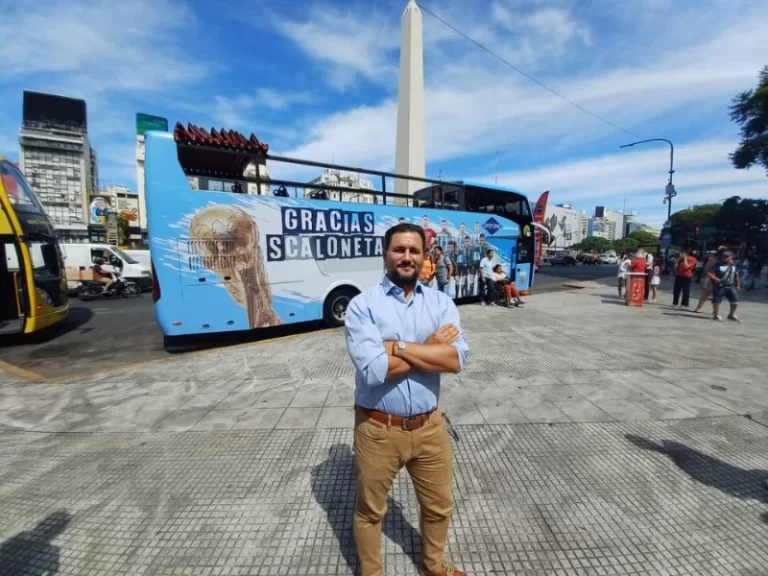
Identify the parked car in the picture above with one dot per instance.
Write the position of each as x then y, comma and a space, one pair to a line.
609, 259
563, 260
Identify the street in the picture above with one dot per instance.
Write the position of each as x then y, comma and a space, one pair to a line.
106, 334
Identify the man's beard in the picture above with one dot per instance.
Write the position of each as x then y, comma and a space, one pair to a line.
401, 279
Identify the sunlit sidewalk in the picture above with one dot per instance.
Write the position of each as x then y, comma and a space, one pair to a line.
590, 438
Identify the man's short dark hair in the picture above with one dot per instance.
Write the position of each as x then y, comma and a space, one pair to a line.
402, 228
437, 247
488, 252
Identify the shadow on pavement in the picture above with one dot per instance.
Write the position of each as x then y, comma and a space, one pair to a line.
689, 315
31, 553
736, 482
77, 317
333, 486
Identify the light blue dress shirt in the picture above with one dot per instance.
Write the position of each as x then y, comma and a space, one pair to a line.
382, 313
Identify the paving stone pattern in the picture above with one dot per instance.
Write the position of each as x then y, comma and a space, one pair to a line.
590, 439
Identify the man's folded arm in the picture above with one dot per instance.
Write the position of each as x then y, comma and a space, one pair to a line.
440, 358
366, 347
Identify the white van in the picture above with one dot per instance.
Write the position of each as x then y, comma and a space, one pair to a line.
141, 256
78, 260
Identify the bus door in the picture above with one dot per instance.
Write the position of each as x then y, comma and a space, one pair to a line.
524, 258
12, 296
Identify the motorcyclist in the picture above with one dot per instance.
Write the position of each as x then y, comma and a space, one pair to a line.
104, 273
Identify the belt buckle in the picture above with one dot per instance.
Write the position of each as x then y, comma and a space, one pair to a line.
404, 423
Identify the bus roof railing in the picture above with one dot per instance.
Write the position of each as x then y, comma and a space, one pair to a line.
226, 154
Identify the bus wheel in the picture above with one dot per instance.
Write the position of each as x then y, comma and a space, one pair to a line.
335, 309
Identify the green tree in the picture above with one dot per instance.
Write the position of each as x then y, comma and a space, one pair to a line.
594, 244
625, 245
122, 231
742, 222
750, 111
685, 223
644, 237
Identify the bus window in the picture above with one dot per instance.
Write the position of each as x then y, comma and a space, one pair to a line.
508, 204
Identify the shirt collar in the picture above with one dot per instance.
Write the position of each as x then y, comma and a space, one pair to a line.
390, 287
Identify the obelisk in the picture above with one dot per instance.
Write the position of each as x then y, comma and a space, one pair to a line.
409, 150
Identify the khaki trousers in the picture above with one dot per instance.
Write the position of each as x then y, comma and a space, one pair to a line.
380, 452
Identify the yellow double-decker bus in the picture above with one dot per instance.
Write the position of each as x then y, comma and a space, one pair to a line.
33, 283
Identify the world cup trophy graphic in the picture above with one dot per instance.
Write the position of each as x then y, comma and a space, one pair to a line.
228, 242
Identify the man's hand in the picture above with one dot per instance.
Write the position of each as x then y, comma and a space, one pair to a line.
447, 334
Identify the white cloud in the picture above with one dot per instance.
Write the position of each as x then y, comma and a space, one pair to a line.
350, 46
236, 112
473, 111
89, 47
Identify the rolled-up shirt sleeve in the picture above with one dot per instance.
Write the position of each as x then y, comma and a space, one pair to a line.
364, 343
450, 315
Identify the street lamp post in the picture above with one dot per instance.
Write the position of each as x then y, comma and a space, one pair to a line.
669, 191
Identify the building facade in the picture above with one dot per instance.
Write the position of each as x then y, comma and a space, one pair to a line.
57, 159
349, 184
566, 225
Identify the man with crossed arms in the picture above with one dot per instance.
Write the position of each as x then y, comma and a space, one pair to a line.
401, 335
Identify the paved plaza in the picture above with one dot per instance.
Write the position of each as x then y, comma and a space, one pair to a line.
590, 439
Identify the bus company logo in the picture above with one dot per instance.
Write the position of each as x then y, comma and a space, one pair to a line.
492, 226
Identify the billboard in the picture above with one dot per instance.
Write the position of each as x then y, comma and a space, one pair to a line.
146, 122
52, 109
98, 209
538, 217
128, 208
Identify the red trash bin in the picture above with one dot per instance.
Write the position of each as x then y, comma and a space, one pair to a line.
636, 288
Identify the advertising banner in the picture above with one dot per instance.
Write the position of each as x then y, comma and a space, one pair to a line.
538, 216
128, 208
99, 208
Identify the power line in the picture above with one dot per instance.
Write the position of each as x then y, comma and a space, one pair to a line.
526, 75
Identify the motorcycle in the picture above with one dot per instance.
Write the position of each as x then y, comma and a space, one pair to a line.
90, 290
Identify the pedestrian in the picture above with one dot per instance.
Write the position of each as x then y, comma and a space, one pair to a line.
648, 274
686, 265
489, 295
443, 270
725, 284
656, 279
706, 282
624, 265
398, 361
428, 271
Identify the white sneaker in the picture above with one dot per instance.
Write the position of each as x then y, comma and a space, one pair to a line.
718, 319
482, 303
734, 319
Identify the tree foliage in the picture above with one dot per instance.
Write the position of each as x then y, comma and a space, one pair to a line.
644, 237
122, 230
593, 244
750, 111
736, 222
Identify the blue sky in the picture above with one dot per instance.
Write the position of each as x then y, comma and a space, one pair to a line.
318, 80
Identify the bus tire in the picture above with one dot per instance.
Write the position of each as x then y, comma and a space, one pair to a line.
335, 307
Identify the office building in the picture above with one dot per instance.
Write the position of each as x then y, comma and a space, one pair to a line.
567, 226
57, 159
349, 184
608, 224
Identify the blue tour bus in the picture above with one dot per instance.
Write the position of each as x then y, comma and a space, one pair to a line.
232, 252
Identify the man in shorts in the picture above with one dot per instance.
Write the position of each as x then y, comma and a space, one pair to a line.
725, 284
706, 284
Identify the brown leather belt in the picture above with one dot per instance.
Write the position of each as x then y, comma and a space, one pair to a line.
409, 423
